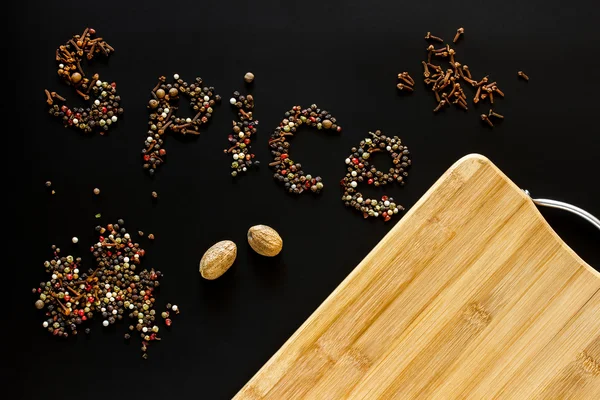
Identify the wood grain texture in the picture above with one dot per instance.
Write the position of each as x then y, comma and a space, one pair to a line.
471, 295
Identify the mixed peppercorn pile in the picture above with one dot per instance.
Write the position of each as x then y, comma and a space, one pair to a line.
117, 288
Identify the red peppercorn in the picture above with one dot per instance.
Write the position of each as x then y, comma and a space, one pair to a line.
67, 297
355, 161
283, 156
283, 171
384, 198
104, 110
162, 152
70, 276
92, 31
84, 318
81, 313
313, 119
168, 322
370, 181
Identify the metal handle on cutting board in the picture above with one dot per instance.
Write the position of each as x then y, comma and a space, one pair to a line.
567, 207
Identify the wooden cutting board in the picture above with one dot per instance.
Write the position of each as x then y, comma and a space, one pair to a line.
470, 295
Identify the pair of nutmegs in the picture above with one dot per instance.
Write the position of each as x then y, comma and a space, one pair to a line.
217, 259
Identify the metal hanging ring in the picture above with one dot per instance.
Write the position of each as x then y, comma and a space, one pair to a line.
567, 207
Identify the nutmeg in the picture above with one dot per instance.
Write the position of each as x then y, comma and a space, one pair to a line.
265, 240
218, 259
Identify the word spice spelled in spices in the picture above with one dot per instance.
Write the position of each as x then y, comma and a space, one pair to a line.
116, 289
287, 171
163, 107
240, 139
446, 83
105, 106
359, 170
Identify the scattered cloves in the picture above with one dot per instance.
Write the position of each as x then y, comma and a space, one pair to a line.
459, 32
429, 36
487, 120
494, 114
523, 75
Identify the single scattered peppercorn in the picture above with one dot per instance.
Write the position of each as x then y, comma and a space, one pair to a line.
96, 191
154, 195
75, 240
48, 184
249, 77
151, 236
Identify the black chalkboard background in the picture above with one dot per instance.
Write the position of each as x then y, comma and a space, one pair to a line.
342, 55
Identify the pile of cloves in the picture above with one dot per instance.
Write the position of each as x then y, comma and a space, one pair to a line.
163, 107
117, 288
447, 84
105, 107
240, 140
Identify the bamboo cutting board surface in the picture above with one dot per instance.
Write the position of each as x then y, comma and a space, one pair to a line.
470, 296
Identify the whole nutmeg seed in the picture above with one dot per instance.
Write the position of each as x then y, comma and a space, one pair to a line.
265, 240
217, 260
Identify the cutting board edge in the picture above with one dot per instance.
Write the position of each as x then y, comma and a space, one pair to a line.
249, 391
483, 159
